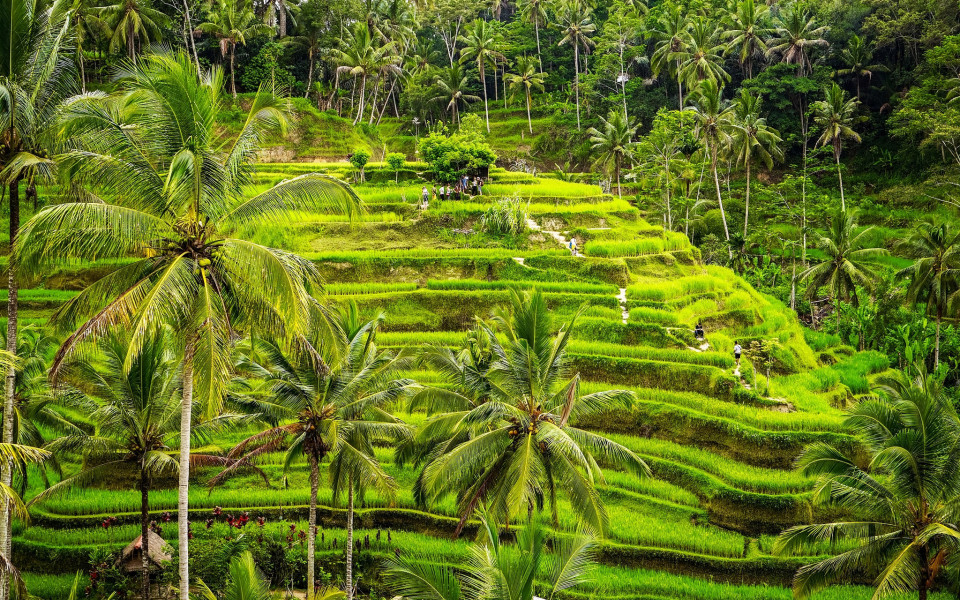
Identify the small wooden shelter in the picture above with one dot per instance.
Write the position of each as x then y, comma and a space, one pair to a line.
131, 559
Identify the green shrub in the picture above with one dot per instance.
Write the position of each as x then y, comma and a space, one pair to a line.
506, 217
359, 159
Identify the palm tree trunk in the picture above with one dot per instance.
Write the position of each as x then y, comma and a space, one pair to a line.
529, 120
312, 527
843, 203
936, 347
183, 487
576, 79
666, 170
373, 100
363, 88
233, 57
349, 579
746, 205
483, 84
536, 29
144, 531
193, 44
723, 214
83, 73
679, 85
616, 165
309, 75
6, 473
281, 19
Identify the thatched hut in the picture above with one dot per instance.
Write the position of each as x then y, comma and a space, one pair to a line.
131, 560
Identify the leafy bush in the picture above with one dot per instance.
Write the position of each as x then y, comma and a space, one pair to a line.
505, 217
451, 157
396, 160
359, 160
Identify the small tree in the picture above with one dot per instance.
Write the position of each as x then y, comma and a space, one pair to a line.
763, 354
396, 161
359, 160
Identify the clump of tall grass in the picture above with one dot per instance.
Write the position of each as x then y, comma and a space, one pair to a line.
573, 287
670, 242
372, 287
506, 217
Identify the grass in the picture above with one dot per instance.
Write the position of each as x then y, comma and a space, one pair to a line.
670, 242
575, 287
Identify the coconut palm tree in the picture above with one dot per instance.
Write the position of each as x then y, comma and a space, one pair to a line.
752, 139
362, 59
795, 35
835, 116
335, 384
904, 499
701, 57
714, 118
232, 22
846, 263
480, 45
34, 79
935, 274
518, 446
576, 23
535, 11
527, 78
132, 24
747, 34
452, 83
164, 187
135, 411
495, 571
670, 40
21, 455
858, 56
614, 143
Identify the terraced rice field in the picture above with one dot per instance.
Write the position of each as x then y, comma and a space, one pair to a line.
721, 452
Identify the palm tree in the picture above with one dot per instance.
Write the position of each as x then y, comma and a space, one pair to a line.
835, 116
190, 186
480, 45
614, 143
15, 508
132, 23
714, 118
135, 410
517, 448
904, 500
846, 263
748, 33
527, 78
701, 57
795, 35
752, 140
232, 22
857, 56
361, 59
335, 383
85, 24
34, 79
452, 83
670, 40
494, 571
934, 279
535, 11
576, 24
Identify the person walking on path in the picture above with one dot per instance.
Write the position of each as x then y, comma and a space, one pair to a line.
737, 349
480, 187
573, 246
425, 195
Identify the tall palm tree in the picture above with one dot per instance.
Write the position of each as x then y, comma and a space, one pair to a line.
858, 56
614, 143
480, 45
452, 84
904, 499
335, 384
747, 33
132, 23
166, 188
535, 11
136, 412
714, 118
701, 57
835, 116
34, 78
495, 571
362, 59
795, 35
670, 35
752, 139
85, 24
846, 263
575, 21
232, 22
521, 448
935, 274
527, 78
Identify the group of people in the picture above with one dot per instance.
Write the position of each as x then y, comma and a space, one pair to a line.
465, 186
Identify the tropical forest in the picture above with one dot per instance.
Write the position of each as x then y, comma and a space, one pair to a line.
480, 299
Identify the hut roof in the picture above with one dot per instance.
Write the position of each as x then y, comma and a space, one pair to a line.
159, 552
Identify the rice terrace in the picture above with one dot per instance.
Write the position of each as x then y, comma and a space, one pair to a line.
480, 300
